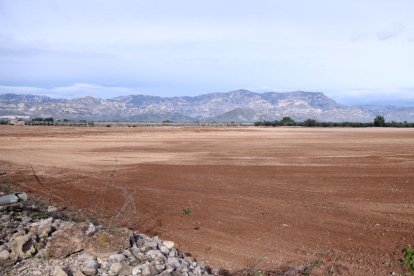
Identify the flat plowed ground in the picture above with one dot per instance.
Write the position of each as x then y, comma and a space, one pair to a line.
259, 197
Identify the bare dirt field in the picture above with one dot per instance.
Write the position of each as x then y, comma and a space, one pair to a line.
259, 197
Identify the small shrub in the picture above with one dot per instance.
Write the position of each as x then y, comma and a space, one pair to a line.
39, 215
408, 260
186, 211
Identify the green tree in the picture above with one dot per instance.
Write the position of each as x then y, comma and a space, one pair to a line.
310, 123
287, 121
379, 121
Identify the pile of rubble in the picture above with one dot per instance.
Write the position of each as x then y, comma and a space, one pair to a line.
45, 242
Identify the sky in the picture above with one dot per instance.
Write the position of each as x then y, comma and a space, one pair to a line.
355, 51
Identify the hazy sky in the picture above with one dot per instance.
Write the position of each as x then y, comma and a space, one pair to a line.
356, 51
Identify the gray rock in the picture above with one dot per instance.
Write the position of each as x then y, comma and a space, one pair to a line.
105, 265
169, 268
52, 209
197, 271
160, 267
41, 253
85, 257
91, 230
116, 258
126, 270
141, 257
4, 255
164, 250
154, 253
146, 270
58, 271
174, 262
115, 269
127, 253
172, 253
26, 220
136, 271
151, 245
89, 267
189, 260
153, 270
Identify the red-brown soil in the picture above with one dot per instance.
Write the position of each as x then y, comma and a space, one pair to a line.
259, 197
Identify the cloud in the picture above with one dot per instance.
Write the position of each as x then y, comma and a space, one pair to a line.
391, 32
398, 97
76, 90
359, 36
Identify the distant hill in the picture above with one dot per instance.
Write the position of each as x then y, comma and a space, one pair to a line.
235, 106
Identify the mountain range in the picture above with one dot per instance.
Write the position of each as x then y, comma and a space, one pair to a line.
235, 106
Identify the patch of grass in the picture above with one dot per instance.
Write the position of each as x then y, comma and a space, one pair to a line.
39, 215
408, 260
315, 264
186, 211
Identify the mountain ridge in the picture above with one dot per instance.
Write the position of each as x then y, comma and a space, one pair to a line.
235, 106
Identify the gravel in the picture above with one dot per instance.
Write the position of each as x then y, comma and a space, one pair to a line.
42, 245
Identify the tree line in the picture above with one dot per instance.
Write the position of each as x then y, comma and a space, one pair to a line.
379, 121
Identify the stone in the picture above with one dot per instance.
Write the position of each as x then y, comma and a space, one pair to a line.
146, 270
41, 253
174, 262
4, 255
26, 220
91, 230
197, 271
127, 253
169, 244
136, 271
85, 257
105, 265
115, 268
19, 233
173, 253
44, 227
153, 270
116, 258
156, 255
89, 267
77, 273
23, 246
67, 240
135, 251
140, 256
108, 242
144, 248
126, 270
160, 267
58, 271
164, 250
52, 209
151, 244
169, 268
